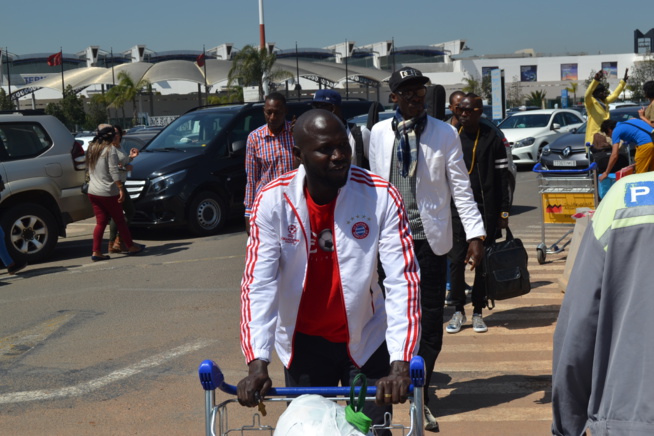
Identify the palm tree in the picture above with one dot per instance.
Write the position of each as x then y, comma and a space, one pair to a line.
126, 90
573, 89
536, 98
251, 65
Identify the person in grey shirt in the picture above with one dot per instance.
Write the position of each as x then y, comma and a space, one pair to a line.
124, 166
106, 191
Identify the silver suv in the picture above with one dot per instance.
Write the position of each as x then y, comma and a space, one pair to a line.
43, 168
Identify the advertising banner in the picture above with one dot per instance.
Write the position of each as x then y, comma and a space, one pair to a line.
528, 73
610, 70
569, 72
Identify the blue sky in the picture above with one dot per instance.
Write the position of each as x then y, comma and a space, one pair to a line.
490, 27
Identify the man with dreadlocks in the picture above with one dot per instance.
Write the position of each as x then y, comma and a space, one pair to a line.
422, 157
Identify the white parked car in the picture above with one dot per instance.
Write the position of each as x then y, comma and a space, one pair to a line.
84, 139
528, 132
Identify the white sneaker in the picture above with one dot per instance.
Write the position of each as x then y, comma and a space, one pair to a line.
478, 324
430, 422
454, 326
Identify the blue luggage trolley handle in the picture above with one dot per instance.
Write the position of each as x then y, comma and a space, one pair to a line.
212, 378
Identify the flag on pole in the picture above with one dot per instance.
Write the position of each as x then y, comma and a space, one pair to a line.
54, 60
200, 60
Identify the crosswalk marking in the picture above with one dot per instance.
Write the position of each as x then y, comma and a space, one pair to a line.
477, 367
519, 414
498, 348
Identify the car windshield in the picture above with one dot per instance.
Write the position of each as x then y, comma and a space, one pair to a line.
624, 115
193, 130
525, 121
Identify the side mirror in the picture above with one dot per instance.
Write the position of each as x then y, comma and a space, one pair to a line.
238, 147
556, 126
573, 130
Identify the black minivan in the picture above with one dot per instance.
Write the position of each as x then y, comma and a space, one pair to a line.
192, 174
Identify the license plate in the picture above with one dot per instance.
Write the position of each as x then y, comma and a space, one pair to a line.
564, 163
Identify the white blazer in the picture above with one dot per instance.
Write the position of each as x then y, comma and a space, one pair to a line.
441, 174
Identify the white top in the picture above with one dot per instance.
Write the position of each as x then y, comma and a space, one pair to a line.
440, 176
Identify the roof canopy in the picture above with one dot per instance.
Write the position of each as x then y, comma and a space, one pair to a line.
217, 71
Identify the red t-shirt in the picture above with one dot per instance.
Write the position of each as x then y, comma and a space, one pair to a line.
322, 310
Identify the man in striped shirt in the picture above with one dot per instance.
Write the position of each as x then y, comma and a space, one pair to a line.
269, 151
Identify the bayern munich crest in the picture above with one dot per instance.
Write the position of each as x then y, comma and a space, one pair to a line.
360, 230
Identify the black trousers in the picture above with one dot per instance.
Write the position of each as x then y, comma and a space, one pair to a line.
433, 278
319, 362
457, 256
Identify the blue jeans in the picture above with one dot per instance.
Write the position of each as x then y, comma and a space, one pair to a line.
4, 253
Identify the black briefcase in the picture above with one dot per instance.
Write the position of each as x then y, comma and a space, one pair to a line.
505, 270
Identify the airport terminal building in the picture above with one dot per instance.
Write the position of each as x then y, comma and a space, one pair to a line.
356, 71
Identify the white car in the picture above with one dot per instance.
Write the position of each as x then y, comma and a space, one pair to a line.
84, 139
529, 132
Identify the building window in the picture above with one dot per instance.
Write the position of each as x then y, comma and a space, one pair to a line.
610, 70
569, 72
528, 73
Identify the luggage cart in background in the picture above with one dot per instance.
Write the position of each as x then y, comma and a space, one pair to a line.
216, 416
562, 193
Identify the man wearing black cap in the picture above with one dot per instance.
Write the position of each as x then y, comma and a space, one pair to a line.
359, 137
422, 157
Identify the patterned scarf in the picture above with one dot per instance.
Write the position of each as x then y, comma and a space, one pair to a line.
407, 133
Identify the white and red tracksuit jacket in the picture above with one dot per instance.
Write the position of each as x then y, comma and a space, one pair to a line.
369, 218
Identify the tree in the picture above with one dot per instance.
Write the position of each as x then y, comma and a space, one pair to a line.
536, 98
5, 102
251, 65
573, 89
514, 95
487, 88
125, 91
232, 95
69, 110
641, 72
472, 84
96, 112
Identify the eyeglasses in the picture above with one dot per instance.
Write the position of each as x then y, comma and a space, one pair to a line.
408, 95
467, 110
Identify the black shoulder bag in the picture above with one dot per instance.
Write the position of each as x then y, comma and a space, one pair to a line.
504, 266
505, 270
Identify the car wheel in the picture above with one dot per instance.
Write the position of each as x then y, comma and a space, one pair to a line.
30, 232
207, 214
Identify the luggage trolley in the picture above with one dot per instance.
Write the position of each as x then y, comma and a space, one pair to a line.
562, 192
216, 416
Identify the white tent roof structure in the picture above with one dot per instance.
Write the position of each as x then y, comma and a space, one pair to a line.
217, 71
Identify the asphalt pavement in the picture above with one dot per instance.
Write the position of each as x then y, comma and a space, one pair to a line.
113, 347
